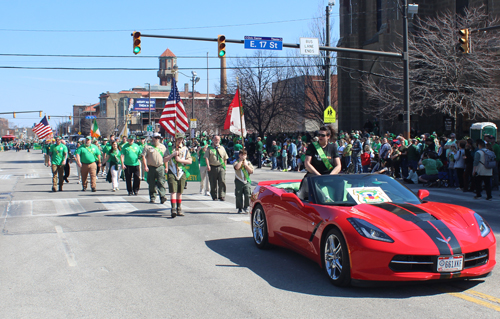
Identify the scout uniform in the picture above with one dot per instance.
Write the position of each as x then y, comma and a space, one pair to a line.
217, 158
242, 183
88, 157
177, 176
153, 155
58, 154
130, 159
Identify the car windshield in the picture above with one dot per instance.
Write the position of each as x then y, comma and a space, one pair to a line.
349, 190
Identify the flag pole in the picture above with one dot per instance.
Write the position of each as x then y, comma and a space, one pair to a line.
241, 112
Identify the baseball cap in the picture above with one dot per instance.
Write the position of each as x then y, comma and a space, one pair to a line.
180, 135
131, 137
89, 137
158, 135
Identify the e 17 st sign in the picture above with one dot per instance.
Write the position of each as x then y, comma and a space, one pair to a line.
263, 43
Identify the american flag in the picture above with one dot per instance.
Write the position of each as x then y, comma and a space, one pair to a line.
42, 129
174, 112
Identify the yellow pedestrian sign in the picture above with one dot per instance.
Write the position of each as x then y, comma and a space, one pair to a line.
330, 116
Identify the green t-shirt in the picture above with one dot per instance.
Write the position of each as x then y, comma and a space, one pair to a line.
260, 146
106, 148
203, 160
238, 147
413, 153
432, 166
131, 154
58, 153
376, 146
88, 154
114, 157
496, 150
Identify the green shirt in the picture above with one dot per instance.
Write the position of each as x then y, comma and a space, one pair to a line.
203, 160
376, 146
496, 150
88, 154
413, 153
58, 153
106, 148
432, 166
260, 146
238, 147
131, 154
114, 157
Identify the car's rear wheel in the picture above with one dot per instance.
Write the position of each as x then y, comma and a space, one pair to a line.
259, 227
336, 258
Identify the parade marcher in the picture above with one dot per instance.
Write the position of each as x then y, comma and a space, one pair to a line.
204, 183
115, 167
152, 160
58, 153
321, 159
177, 173
78, 168
216, 166
67, 166
129, 156
45, 151
480, 172
87, 158
242, 182
142, 143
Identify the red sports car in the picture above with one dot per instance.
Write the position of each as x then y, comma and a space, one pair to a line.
369, 227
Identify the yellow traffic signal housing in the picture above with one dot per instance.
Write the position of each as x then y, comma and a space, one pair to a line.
40, 113
464, 41
14, 114
221, 46
48, 117
70, 117
136, 38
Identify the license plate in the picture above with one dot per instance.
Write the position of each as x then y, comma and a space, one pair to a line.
450, 263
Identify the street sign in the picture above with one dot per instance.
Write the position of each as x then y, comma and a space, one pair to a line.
149, 128
309, 46
329, 116
263, 43
90, 117
193, 123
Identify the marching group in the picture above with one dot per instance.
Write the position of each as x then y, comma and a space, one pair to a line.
467, 165
159, 162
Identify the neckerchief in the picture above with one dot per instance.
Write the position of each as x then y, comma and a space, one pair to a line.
218, 156
184, 169
321, 154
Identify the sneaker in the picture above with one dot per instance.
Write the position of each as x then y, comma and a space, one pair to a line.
96, 177
53, 189
179, 211
163, 200
84, 189
93, 190
117, 189
207, 194
113, 190
246, 210
222, 199
240, 210
173, 213
136, 193
152, 200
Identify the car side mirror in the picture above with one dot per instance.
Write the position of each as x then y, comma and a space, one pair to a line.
290, 197
422, 193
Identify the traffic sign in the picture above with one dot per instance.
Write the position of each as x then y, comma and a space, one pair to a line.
149, 128
309, 46
90, 117
329, 116
263, 43
193, 123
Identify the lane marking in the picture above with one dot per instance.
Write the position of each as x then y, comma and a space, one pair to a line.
484, 296
116, 204
70, 256
68, 206
475, 300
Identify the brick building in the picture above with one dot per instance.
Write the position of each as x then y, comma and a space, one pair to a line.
374, 25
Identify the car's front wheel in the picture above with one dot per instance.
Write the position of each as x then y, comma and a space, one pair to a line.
259, 227
336, 258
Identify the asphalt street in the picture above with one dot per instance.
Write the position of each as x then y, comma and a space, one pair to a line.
75, 254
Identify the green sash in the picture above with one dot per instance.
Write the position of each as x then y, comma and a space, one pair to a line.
179, 164
221, 161
245, 173
321, 154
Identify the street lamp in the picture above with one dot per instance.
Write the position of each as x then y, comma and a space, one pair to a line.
327, 60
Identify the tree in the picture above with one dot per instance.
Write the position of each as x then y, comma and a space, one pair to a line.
262, 103
442, 79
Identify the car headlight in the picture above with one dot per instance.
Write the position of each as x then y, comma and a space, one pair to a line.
367, 230
484, 228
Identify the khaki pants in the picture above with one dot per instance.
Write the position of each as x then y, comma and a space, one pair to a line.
242, 193
204, 187
156, 179
57, 170
86, 169
46, 157
217, 176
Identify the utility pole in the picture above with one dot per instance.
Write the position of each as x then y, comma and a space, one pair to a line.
406, 72
149, 103
327, 60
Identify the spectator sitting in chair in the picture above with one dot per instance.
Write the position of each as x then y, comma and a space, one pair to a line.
431, 165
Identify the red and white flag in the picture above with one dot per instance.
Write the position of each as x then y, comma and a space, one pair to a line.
235, 119
42, 129
174, 115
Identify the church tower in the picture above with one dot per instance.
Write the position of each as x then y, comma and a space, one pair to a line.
166, 71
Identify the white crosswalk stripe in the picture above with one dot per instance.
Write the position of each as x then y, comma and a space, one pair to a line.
31, 175
5, 176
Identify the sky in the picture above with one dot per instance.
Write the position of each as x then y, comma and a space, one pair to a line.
103, 28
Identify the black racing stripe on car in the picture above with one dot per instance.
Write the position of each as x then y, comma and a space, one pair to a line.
450, 275
433, 234
315, 230
422, 214
447, 233
404, 214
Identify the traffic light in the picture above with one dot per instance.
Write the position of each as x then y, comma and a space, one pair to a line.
14, 114
40, 113
136, 42
48, 117
221, 45
464, 41
70, 117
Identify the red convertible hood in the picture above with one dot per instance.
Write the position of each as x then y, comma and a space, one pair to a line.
407, 217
